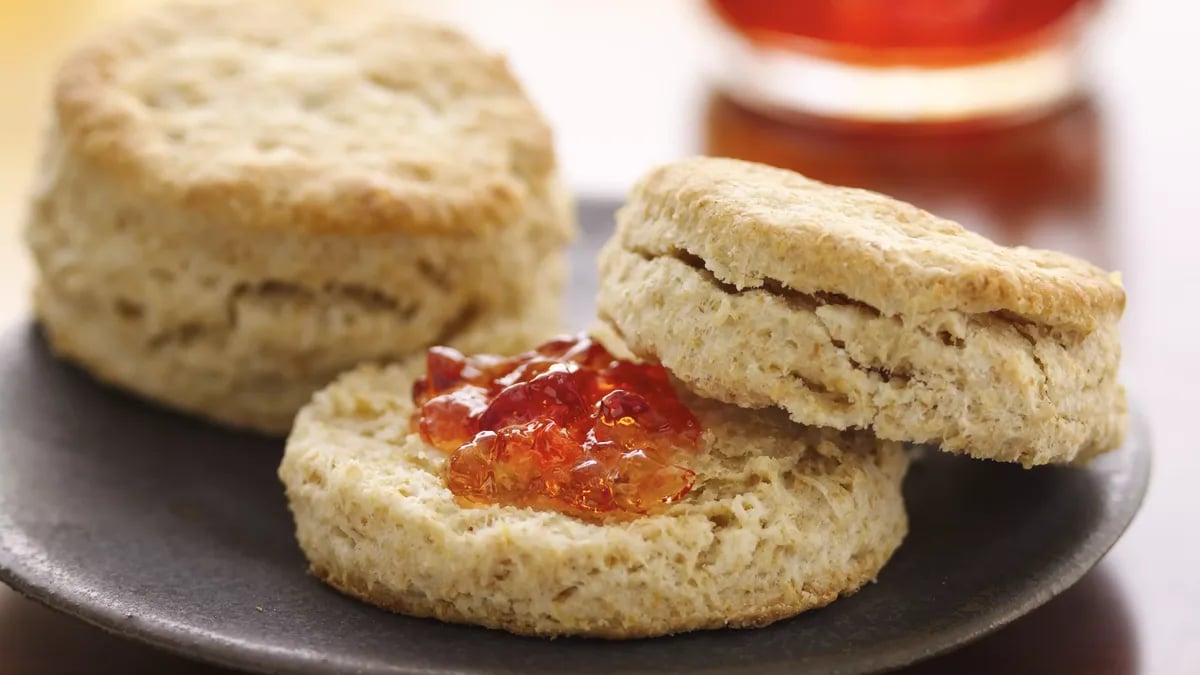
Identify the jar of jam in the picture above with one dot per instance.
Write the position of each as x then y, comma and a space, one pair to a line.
1038, 183
899, 61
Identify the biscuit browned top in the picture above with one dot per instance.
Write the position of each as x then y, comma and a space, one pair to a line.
323, 116
754, 225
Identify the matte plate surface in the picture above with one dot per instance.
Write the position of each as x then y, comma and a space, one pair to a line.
167, 530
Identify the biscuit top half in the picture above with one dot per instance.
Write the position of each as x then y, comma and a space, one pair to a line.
315, 115
753, 226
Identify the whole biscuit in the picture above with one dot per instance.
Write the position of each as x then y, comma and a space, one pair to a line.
783, 518
760, 287
238, 200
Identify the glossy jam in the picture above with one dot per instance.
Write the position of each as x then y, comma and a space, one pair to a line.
565, 427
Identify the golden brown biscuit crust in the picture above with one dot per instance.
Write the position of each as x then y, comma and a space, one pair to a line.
283, 114
755, 226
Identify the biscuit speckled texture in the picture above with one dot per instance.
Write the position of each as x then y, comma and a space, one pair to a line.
224, 374
238, 200
783, 518
759, 287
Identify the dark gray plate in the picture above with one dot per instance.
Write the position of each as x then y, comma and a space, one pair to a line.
164, 529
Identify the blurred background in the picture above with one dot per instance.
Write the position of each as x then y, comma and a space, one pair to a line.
1069, 124
628, 83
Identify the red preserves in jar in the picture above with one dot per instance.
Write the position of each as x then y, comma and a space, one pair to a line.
922, 63
910, 32
566, 427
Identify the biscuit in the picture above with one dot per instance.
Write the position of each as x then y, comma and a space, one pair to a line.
848, 309
783, 518
238, 200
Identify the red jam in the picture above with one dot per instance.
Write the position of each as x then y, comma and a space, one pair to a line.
566, 427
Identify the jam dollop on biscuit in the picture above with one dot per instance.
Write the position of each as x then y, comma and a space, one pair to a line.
566, 427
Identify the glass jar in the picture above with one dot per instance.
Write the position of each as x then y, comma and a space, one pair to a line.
1038, 183
899, 61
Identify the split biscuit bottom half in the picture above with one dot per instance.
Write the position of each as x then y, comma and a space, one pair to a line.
782, 518
762, 288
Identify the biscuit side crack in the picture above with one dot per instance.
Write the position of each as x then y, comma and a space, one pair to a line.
810, 301
284, 292
797, 299
1043, 386
372, 299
